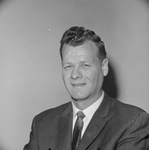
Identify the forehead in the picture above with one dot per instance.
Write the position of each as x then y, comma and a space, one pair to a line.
88, 50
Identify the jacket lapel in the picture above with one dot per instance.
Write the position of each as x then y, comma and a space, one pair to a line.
96, 125
65, 129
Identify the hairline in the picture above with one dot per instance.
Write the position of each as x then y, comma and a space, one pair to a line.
101, 58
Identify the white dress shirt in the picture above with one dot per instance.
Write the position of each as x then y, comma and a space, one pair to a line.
89, 112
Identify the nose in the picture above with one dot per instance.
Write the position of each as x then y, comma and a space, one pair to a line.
76, 74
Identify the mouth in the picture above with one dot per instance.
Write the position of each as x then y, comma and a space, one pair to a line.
78, 84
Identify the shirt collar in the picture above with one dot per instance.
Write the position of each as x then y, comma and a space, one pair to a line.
89, 111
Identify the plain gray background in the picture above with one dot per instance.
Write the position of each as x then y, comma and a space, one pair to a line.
30, 66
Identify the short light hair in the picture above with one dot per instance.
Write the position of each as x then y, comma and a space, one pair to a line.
76, 36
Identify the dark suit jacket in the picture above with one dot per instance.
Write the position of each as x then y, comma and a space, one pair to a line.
114, 126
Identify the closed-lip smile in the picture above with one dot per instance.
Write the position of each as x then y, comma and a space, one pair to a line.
78, 84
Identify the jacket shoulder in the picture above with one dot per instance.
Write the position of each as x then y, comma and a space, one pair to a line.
52, 112
125, 111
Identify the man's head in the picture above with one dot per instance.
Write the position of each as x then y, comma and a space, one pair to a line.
76, 36
84, 64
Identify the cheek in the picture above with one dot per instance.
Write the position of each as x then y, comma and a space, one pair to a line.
92, 75
66, 78
94, 78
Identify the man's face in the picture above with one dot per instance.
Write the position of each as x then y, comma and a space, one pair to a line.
82, 71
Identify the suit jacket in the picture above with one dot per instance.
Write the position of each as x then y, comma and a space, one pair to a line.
114, 126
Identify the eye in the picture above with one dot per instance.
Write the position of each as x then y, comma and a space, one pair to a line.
86, 65
67, 67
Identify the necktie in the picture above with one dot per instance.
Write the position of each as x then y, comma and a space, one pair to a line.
77, 130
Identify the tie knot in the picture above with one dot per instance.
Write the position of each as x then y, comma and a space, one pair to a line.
80, 114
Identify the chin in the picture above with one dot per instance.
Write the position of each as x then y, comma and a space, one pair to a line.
78, 97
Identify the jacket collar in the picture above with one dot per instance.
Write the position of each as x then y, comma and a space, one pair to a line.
65, 129
99, 120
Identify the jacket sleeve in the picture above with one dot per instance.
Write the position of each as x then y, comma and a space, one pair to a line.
33, 144
136, 136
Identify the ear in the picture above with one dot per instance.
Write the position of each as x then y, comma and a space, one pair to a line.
105, 67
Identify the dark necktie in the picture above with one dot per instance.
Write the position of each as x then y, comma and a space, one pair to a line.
77, 130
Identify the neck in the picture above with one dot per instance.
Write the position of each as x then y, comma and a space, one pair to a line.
83, 104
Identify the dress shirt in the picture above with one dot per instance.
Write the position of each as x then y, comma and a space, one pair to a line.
89, 112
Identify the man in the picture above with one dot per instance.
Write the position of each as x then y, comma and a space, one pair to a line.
107, 124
